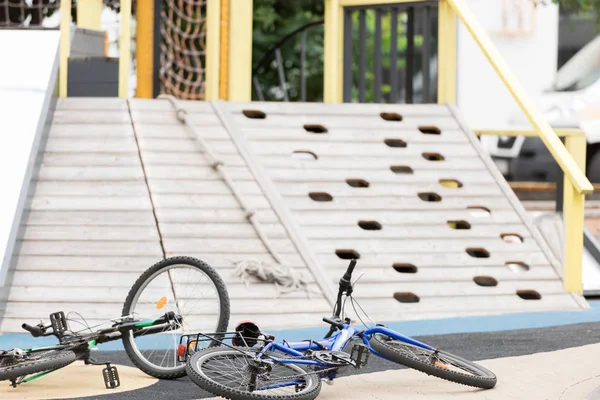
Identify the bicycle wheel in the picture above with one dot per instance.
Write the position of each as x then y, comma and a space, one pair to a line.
238, 375
184, 285
441, 364
13, 368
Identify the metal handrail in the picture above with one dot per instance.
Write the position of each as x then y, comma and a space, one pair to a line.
547, 134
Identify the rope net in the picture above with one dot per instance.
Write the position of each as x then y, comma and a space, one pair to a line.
183, 29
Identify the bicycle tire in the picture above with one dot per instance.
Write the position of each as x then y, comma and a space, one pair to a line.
196, 375
45, 361
127, 339
482, 378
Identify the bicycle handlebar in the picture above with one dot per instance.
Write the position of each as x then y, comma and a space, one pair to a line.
35, 331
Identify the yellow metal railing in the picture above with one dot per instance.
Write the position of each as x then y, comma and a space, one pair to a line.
87, 10
570, 156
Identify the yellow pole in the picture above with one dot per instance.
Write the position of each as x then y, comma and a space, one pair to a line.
145, 48
333, 57
446, 53
89, 14
65, 46
240, 50
213, 33
125, 49
574, 208
224, 51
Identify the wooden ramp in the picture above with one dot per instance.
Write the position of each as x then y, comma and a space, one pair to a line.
405, 189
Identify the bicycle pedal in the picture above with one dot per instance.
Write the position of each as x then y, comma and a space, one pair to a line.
360, 355
111, 377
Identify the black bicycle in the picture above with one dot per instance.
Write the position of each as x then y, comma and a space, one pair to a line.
187, 294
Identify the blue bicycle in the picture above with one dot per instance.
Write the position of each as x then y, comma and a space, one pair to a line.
254, 366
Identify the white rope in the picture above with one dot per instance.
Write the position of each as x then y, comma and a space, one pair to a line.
280, 273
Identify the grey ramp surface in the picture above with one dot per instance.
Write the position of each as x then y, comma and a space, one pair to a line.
389, 191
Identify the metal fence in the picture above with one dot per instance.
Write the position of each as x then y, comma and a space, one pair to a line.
392, 56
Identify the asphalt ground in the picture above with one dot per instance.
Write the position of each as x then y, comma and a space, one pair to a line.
473, 346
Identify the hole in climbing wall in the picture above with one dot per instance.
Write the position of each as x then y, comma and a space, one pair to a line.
529, 295
370, 225
254, 114
512, 238
357, 183
479, 212
451, 183
304, 155
391, 116
401, 169
320, 196
433, 157
395, 142
432, 197
347, 254
517, 266
406, 297
430, 130
405, 268
485, 281
478, 252
315, 128
459, 224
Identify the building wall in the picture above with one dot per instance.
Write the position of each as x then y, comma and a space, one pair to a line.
482, 97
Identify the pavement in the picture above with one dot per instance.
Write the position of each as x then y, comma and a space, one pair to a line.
535, 356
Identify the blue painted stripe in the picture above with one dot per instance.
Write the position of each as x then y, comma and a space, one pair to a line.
494, 323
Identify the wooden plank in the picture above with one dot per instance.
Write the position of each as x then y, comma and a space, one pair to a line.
197, 215
91, 103
407, 134
92, 130
318, 109
379, 176
87, 218
456, 257
398, 203
183, 172
225, 261
400, 246
81, 203
83, 248
170, 186
66, 145
81, 263
208, 202
91, 188
158, 117
93, 233
216, 230
137, 104
91, 159
156, 145
377, 189
148, 130
366, 162
189, 159
331, 122
439, 231
328, 149
377, 275
227, 245
90, 117
90, 173
404, 218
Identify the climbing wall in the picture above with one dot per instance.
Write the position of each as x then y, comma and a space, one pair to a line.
407, 191
199, 216
88, 231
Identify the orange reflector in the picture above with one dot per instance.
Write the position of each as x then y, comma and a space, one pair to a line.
161, 303
438, 364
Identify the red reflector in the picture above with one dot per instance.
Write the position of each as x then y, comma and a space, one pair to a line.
181, 350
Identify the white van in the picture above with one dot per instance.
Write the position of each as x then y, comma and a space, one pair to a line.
572, 101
